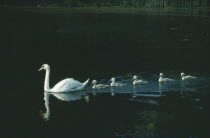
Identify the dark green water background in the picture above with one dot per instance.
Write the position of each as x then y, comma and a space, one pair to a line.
99, 44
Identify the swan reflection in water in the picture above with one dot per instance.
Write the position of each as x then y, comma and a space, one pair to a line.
134, 91
73, 96
112, 91
160, 87
182, 88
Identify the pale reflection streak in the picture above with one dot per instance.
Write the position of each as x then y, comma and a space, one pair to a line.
73, 96
46, 115
134, 91
160, 87
112, 91
182, 88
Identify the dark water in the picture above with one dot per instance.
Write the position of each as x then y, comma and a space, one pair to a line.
101, 45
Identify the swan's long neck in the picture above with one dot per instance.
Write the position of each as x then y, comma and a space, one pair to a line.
183, 77
160, 79
112, 83
94, 86
46, 82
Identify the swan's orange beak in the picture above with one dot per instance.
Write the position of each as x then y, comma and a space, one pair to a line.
41, 68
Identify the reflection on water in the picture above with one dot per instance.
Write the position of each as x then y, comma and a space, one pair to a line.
46, 115
112, 91
182, 87
67, 97
160, 87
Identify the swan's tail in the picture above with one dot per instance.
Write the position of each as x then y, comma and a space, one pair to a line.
86, 82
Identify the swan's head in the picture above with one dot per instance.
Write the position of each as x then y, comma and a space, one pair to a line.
94, 82
161, 74
112, 79
182, 74
135, 77
44, 67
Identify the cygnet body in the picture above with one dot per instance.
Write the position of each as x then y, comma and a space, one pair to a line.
98, 86
136, 81
114, 83
187, 77
161, 79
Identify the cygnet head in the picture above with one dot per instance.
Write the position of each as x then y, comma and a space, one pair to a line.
182, 74
112, 79
94, 82
44, 67
135, 77
161, 74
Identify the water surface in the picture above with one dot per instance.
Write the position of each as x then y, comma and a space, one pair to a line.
100, 45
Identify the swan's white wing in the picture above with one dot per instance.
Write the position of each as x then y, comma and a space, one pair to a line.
102, 86
190, 77
119, 84
141, 82
167, 79
67, 85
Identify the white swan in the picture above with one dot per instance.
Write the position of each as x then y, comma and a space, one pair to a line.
187, 77
136, 81
161, 79
115, 83
98, 86
65, 85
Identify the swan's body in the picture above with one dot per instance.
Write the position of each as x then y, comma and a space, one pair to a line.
136, 81
98, 86
187, 77
65, 85
116, 84
161, 79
